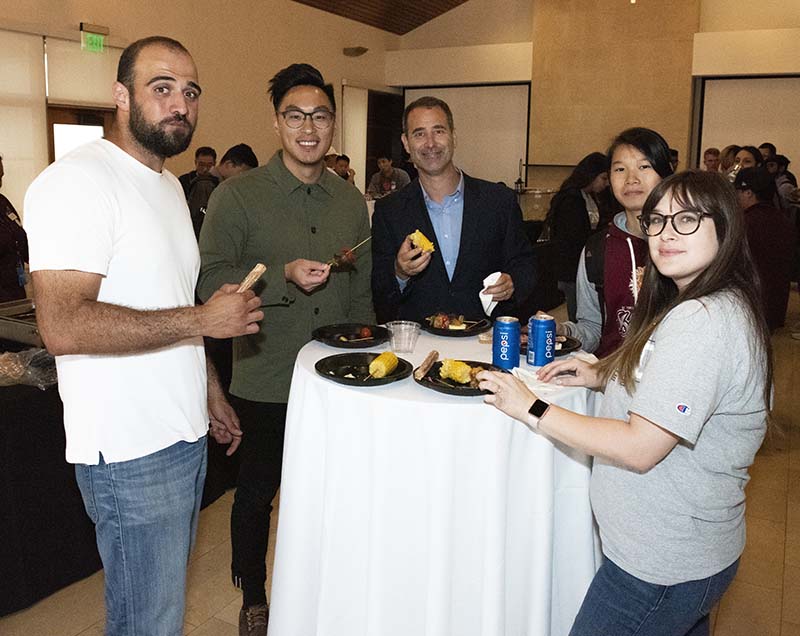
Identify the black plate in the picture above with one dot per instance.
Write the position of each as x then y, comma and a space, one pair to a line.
431, 380
331, 334
336, 367
571, 344
471, 330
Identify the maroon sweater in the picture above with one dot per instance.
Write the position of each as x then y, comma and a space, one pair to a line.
771, 238
621, 274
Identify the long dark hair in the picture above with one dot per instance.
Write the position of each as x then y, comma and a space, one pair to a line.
731, 270
582, 175
586, 171
754, 152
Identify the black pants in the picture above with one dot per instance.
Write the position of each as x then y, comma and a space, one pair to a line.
261, 455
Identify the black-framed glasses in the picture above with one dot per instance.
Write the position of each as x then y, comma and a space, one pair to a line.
684, 222
322, 118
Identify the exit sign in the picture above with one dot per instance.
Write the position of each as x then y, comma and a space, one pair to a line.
93, 42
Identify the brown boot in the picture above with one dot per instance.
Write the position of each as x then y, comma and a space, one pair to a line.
253, 620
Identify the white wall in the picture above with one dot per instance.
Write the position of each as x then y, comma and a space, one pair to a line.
763, 52
355, 103
480, 64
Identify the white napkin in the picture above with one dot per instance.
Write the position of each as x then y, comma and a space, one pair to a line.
528, 376
486, 299
532, 382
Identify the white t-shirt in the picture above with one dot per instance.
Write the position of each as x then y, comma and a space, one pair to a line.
99, 210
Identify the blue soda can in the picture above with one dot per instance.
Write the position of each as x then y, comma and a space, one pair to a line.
541, 340
505, 342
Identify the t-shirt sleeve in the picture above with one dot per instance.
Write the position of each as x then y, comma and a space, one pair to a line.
70, 222
683, 377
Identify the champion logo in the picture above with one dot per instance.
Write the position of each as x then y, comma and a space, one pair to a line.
683, 408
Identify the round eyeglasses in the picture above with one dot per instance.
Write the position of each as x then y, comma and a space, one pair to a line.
321, 118
684, 223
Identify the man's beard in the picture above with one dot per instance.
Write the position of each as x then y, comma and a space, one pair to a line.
154, 138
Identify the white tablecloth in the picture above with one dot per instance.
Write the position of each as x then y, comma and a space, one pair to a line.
405, 512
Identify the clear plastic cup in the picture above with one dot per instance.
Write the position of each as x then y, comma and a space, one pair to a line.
403, 335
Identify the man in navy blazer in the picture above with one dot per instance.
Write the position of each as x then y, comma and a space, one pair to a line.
475, 225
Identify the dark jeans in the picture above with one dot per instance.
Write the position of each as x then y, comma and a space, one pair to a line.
619, 604
261, 454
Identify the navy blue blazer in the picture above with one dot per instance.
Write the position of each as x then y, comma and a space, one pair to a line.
492, 240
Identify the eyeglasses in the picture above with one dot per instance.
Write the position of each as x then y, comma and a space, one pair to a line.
321, 118
684, 223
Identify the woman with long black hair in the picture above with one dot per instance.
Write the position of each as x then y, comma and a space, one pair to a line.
573, 215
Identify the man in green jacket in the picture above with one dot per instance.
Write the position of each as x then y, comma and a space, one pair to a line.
293, 215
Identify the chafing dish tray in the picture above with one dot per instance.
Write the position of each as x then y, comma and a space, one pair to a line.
18, 322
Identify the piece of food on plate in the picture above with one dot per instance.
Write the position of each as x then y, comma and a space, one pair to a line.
420, 240
442, 320
426, 365
365, 332
383, 365
457, 322
460, 372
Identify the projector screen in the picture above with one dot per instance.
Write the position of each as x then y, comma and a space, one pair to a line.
491, 125
751, 111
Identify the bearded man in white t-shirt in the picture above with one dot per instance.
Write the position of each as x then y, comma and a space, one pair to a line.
115, 264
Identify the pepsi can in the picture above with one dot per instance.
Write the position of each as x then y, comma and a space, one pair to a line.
505, 342
541, 340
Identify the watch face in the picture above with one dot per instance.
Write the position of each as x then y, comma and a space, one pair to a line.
538, 408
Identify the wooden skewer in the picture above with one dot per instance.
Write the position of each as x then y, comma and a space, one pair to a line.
351, 250
252, 277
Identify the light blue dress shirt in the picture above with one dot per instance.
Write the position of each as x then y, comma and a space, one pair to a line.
446, 218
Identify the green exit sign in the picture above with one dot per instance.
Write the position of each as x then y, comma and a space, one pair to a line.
92, 41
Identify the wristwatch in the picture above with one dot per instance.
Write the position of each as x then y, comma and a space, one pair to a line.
537, 410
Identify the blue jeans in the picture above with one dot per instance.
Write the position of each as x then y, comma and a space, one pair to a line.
618, 604
145, 514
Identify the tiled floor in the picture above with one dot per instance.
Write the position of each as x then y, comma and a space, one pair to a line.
764, 600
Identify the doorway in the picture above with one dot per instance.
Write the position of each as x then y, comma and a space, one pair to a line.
384, 127
71, 126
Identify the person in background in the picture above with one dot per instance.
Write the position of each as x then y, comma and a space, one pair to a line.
711, 159
572, 217
236, 160
771, 237
767, 150
612, 262
114, 266
344, 170
205, 158
727, 157
475, 225
674, 159
13, 249
747, 157
387, 180
685, 409
293, 215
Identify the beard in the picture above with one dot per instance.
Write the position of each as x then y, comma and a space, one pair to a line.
154, 138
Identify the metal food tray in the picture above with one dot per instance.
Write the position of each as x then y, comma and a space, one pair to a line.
18, 322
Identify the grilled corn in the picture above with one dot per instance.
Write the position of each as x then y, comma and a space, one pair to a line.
420, 240
383, 365
455, 370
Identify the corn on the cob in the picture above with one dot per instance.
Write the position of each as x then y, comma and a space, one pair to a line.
383, 365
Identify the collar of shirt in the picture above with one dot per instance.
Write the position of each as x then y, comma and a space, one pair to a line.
289, 183
455, 197
446, 218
